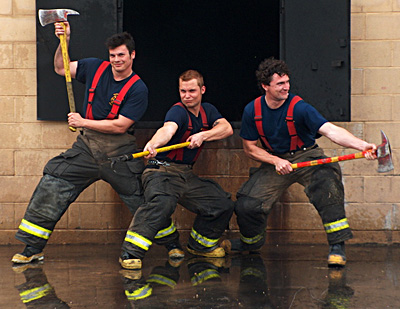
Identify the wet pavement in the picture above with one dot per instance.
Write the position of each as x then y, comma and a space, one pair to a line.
89, 276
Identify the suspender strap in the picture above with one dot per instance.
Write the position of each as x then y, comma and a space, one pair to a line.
204, 128
120, 97
117, 101
259, 125
295, 141
177, 154
96, 78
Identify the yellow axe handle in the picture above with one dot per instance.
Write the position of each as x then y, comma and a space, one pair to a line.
68, 80
162, 149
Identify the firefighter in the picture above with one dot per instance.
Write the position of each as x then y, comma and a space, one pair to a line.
288, 128
169, 179
115, 99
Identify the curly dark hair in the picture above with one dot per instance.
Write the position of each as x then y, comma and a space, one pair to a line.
268, 68
118, 39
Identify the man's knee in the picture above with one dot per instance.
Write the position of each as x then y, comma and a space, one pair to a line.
52, 197
246, 205
326, 188
132, 201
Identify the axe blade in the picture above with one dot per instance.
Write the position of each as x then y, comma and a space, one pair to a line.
384, 154
53, 16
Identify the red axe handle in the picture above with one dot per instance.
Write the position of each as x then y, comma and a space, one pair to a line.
352, 156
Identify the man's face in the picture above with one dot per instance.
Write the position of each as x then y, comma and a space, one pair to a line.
190, 92
120, 58
278, 88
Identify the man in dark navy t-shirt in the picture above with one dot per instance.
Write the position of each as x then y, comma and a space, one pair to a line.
168, 179
288, 128
119, 100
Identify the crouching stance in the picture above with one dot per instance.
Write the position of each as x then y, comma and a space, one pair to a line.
168, 179
288, 127
106, 131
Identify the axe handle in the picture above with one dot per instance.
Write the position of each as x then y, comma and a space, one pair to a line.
162, 149
352, 156
68, 80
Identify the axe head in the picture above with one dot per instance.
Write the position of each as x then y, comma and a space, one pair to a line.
384, 154
54, 16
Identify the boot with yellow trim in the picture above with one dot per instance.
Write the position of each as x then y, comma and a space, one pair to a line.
175, 250
218, 252
337, 255
30, 254
128, 261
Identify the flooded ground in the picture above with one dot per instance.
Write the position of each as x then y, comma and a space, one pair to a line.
79, 276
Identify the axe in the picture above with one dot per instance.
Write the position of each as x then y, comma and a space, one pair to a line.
383, 153
132, 156
60, 16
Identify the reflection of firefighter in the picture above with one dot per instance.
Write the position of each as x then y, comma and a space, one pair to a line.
339, 293
158, 284
205, 276
37, 292
253, 288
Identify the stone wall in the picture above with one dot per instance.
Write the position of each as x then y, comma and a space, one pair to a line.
98, 215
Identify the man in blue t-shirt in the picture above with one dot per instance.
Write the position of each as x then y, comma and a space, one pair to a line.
287, 128
168, 179
106, 131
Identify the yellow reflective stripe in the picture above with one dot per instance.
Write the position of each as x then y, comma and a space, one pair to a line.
167, 231
36, 293
138, 240
336, 226
155, 278
250, 271
141, 293
204, 276
202, 240
34, 229
251, 240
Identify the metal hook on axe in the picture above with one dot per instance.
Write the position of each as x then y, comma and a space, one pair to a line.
60, 16
383, 153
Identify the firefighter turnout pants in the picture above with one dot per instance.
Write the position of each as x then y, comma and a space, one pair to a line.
68, 174
322, 184
164, 187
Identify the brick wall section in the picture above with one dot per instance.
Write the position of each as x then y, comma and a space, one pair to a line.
99, 216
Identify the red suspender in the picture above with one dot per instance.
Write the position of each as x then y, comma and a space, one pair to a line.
117, 101
295, 141
258, 120
204, 128
178, 153
120, 97
96, 78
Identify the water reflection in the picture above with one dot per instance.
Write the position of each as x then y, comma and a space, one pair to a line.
339, 294
278, 278
37, 292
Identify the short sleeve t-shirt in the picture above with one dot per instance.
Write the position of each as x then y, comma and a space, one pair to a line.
306, 118
179, 115
135, 101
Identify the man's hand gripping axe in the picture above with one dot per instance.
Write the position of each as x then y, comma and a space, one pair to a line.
60, 16
136, 155
383, 153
